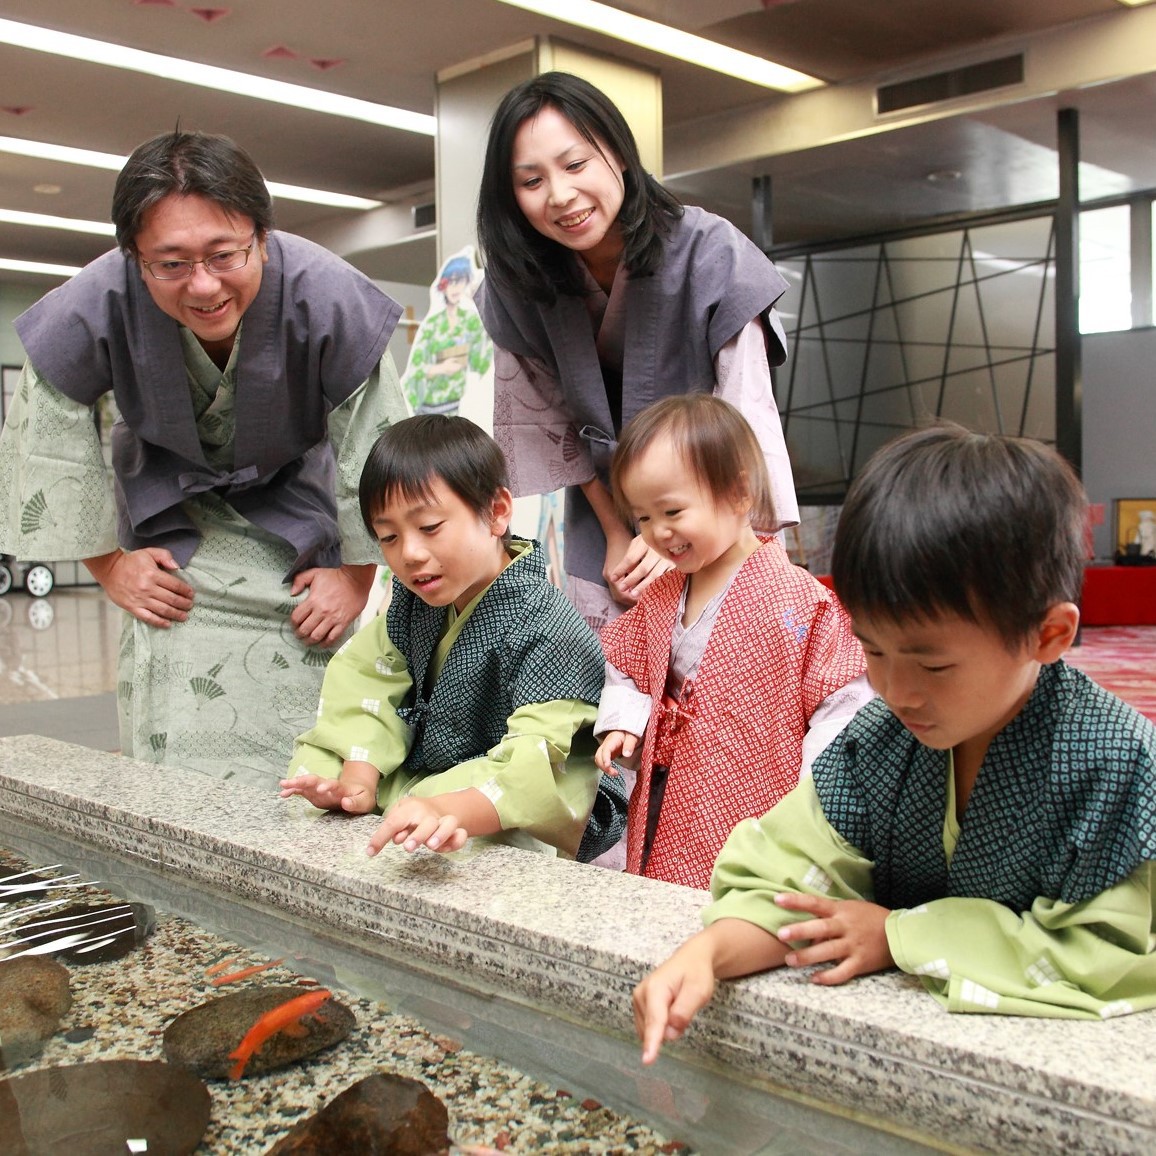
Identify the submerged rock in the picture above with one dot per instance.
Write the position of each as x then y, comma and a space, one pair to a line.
99, 1107
34, 998
108, 930
204, 1037
383, 1114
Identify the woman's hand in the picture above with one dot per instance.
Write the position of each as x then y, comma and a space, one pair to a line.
631, 567
141, 582
335, 599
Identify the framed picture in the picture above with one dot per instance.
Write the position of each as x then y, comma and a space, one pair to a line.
1135, 531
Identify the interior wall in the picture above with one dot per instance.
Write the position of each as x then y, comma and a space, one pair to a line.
1119, 371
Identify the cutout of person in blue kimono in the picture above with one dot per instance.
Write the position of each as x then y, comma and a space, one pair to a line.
467, 708
251, 375
602, 295
451, 344
989, 822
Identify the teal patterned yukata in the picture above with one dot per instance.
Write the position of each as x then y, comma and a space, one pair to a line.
1040, 900
227, 691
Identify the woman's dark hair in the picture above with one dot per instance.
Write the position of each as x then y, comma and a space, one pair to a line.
983, 526
713, 439
412, 454
517, 256
188, 163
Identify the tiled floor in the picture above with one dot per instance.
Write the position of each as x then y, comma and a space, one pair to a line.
58, 665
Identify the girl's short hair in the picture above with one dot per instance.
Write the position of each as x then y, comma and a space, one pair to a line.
188, 164
984, 526
713, 439
517, 256
411, 454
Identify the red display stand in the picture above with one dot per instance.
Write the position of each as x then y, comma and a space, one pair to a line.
1119, 596
1113, 595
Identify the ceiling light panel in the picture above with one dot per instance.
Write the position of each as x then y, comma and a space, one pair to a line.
670, 41
209, 76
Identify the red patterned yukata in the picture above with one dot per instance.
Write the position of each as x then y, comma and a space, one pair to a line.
733, 739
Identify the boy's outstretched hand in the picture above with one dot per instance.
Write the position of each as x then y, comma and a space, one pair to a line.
331, 794
667, 999
849, 933
415, 823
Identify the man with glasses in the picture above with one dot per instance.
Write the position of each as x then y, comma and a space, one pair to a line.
250, 371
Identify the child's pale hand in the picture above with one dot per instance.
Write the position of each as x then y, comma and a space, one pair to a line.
849, 933
415, 823
330, 794
667, 999
616, 744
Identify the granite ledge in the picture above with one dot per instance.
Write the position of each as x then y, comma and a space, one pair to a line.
574, 938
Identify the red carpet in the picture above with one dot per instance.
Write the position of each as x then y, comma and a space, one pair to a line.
1122, 659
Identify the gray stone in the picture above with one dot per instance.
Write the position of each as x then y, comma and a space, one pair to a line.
95, 1109
34, 998
204, 1037
382, 1115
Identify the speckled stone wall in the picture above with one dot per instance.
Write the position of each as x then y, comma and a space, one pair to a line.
575, 939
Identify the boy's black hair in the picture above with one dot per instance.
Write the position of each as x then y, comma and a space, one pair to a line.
189, 164
988, 527
517, 256
412, 454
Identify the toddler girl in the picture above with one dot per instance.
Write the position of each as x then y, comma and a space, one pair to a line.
466, 709
736, 668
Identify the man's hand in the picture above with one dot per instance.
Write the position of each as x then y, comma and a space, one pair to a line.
141, 582
849, 933
336, 597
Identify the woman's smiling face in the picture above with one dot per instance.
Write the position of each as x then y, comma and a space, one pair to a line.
569, 190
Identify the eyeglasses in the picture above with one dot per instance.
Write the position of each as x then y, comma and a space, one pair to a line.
227, 261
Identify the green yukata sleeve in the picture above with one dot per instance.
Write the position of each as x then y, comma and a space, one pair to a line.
365, 682
1089, 960
791, 848
354, 426
541, 776
56, 498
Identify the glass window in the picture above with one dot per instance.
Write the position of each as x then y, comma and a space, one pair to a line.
1105, 270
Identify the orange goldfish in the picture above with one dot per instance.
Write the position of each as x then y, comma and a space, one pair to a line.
284, 1017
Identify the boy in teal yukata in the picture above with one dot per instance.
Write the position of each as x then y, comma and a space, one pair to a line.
989, 822
467, 708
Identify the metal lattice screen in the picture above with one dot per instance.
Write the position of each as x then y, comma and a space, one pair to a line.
887, 335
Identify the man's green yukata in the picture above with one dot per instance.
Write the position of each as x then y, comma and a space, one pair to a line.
1093, 958
540, 776
442, 393
227, 691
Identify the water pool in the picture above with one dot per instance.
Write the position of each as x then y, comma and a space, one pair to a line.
510, 1076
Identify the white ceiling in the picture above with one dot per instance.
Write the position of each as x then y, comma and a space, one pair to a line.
390, 51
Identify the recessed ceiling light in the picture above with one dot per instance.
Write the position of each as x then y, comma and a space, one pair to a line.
41, 150
669, 41
944, 176
209, 76
38, 267
44, 221
46, 190
1135, 3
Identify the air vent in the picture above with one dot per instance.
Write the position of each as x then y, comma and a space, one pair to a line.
425, 216
949, 85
